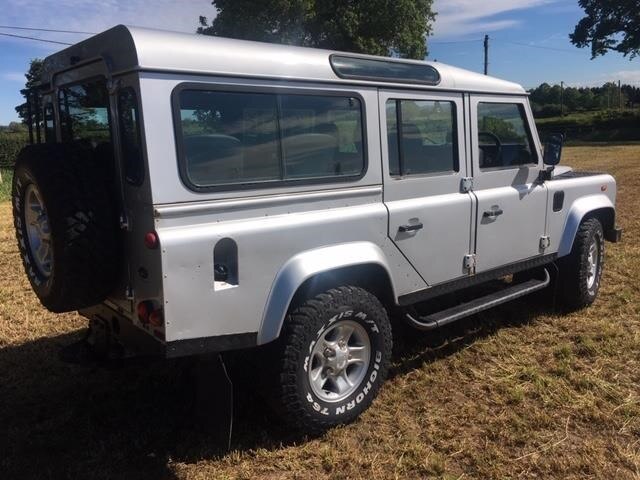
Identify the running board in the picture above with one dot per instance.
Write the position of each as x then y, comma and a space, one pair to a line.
438, 319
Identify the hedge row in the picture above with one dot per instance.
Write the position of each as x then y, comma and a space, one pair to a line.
10, 144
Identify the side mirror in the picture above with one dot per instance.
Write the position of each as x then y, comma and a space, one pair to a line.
553, 149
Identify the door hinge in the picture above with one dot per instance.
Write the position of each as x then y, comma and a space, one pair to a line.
466, 184
545, 241
469, 263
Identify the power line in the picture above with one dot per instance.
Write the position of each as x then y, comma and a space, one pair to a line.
537, 46
453, 41
34, 38
45, 30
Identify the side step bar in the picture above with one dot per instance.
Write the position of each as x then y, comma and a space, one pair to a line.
438, 319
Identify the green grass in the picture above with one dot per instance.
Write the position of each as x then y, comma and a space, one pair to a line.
5, 185
519, 391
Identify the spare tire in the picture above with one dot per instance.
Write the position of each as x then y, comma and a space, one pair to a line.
66, 224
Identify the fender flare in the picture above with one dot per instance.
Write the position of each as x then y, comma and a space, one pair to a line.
579, 209
307, 264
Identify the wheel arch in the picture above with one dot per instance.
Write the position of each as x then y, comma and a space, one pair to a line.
358, 263
592, 206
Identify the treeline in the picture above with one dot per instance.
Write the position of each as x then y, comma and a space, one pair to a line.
12, 138
552, 100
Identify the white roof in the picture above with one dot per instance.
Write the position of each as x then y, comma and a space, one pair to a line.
133, 48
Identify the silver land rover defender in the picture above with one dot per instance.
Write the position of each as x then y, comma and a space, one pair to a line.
192, 194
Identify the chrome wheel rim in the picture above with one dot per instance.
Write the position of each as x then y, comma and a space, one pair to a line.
38, 230
593, 260
339, 361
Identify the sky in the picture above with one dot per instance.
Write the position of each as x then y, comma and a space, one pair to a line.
528, 39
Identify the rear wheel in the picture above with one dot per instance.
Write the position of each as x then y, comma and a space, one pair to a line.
332, 357
581, 270
65, 224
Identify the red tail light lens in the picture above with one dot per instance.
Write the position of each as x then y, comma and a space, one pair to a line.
144, 310
151, 240
156, 318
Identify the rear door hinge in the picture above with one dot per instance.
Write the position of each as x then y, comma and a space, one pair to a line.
545, 241
469, 263
466, 184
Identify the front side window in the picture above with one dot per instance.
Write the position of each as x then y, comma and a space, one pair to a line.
250, 138
421, 135
129, 128
503, 137
84, 112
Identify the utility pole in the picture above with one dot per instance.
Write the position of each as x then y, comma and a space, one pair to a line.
619, 96
486, 54
562, 99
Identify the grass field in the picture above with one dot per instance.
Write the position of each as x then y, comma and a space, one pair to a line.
517, 392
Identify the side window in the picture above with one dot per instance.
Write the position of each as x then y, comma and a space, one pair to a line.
49, 127
229, 137
421, 136
321, 136
129, 129
84, 113
250, 138
504, 139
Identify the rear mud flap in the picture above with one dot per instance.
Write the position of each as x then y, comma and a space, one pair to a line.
214, 399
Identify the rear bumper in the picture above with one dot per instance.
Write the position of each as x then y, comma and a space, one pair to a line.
136, 341
613, 235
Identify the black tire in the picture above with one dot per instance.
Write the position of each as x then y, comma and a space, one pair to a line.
74, 188
293, 395
576, 291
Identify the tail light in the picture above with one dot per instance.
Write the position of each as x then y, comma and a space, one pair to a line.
151, 240
144, 311
156, 318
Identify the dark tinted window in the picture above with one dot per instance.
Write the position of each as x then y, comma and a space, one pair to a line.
129, 128
504, 139
428, 137
49, 127
384, 70
84, 112
240, 138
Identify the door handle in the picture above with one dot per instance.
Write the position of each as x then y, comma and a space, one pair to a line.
410, 228
493, 213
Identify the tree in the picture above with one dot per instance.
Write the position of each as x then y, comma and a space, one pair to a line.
33, 78
378, 27
609, 25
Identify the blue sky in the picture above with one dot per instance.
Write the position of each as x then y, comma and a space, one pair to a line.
542, 26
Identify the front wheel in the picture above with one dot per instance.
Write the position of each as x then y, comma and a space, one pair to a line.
581, 270
332, 356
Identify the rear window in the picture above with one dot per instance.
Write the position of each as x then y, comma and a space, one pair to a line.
84, 112
243, 138
128, 119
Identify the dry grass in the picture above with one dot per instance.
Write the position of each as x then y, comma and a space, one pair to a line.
528, 394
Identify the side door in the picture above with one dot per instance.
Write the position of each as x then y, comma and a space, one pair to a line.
424, 162
511, 204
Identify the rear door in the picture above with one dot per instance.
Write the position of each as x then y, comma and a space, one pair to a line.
424, 162
511, 204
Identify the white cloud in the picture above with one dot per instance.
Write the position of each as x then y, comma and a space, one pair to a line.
462, 17
625, 76
92, 16
13, 76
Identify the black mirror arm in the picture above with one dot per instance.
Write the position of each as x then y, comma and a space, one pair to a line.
546, 174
